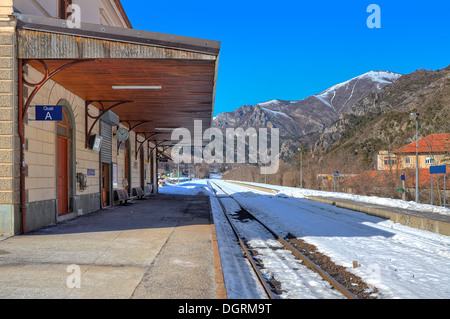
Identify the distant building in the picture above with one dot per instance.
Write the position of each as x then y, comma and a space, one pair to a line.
386, 160
433, 149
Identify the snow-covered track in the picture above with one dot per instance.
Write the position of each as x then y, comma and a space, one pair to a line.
257, 269
271, 285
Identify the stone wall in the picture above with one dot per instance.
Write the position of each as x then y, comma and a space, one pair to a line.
9, 141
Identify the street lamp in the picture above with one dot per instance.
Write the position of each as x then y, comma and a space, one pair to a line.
415, 116
301, 166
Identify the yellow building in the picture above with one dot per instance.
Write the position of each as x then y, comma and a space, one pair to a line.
386, 160
106, 82
433, 149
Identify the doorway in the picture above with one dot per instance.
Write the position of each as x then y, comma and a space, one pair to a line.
142, 169
63, 176
127, 167
63, 161
105, 185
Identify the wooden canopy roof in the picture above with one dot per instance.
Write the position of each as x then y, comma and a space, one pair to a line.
119, 65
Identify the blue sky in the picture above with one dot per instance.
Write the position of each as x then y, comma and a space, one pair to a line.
292, 49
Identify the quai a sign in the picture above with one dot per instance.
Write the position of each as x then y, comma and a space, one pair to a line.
49, 113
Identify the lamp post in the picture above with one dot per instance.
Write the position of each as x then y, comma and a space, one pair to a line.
301, 166
415, 116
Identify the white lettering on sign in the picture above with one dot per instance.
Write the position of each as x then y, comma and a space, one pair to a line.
49, 113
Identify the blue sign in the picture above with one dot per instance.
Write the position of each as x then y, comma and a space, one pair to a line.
336, 173
49, 113
91, 172
441, 169
403, 177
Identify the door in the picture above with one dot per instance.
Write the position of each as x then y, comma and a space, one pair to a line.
105, 185
63, 176
127, 167
142, 169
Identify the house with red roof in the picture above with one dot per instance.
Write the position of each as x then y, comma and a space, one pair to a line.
433, 149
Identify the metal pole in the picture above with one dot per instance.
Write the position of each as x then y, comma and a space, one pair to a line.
431, 189
444, 187
417, 160
301, 169
338, 185
300, 149
404, 190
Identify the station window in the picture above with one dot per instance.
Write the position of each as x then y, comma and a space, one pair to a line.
429, 160
408, 160
62, 127
390, 162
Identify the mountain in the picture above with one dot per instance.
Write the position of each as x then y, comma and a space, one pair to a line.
380, 121
312, 114
306, 118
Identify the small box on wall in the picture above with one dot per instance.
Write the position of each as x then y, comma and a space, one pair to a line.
95, 142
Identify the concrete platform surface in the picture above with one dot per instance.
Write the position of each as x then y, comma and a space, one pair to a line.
159, 248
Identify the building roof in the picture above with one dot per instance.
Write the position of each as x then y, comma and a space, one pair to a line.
434, 143
111, 65
124, 35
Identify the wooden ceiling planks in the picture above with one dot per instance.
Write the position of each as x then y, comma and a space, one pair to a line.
187, 89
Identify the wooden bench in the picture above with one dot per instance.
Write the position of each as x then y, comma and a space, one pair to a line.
148, 190
122, 196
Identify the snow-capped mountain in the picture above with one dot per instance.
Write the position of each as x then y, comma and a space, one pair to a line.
313, 114
341, 97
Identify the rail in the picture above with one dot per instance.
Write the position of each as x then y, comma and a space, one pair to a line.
311, 265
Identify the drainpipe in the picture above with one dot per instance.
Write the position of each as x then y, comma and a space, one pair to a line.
23, 207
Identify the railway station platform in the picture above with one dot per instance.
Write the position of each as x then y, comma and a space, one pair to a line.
432, 222
163, 247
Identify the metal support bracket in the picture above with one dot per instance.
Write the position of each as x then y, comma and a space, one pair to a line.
151, 149
47, 76
147, 138
23, 109
162, 153
130, 128
96, 118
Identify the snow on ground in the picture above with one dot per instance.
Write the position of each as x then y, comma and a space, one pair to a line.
410, 205
185, 188
402, 262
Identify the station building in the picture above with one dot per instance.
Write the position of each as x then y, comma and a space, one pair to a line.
88, 105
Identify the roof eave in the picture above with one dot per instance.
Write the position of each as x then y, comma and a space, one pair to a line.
109, 33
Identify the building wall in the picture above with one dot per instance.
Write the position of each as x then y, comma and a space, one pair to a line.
439, 159
40, 145
41, 158
9, 142
386, 160
399, 161
92, 11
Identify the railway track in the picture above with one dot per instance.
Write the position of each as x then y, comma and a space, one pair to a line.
277, 247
